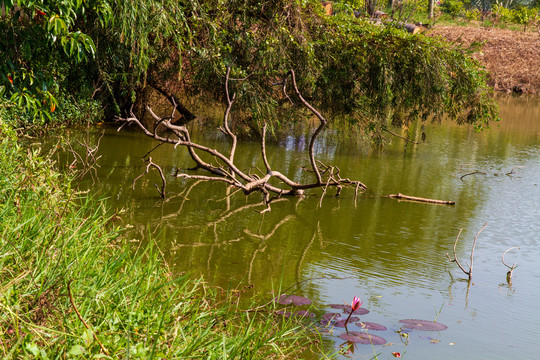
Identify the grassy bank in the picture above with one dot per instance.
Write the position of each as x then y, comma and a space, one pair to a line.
71, 286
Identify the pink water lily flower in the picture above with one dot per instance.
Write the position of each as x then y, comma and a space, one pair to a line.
356, 303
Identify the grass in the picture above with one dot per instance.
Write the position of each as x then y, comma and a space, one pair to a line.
72, 287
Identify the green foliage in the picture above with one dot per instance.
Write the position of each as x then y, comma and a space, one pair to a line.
67, 279
454, 8
344, 65
473, 14
525, 16
41, 46
69, 111
502, 13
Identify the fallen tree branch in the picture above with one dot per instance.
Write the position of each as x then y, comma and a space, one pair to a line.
414, 198
187, 115
224, 168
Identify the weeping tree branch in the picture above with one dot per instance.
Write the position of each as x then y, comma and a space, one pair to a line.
224, 168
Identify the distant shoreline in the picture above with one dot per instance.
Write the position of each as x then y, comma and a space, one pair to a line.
512, 58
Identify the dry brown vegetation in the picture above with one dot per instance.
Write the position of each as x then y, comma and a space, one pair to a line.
512, 58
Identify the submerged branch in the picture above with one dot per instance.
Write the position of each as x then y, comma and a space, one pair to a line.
414, 198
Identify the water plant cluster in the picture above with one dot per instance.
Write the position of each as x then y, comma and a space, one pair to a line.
357, 331
71, 286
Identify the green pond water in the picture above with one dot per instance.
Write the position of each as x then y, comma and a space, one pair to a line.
390, 253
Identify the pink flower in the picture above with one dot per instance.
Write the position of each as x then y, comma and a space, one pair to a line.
356, 303
396, 354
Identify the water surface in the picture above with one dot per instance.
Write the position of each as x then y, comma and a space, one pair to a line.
390, 253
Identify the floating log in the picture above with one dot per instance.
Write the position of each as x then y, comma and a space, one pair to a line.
414, 198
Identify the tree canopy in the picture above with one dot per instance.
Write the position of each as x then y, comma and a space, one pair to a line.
372, 75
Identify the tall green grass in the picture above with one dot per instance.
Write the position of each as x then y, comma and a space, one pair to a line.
72, 287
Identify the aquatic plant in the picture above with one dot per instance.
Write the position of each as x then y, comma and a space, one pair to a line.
355, 305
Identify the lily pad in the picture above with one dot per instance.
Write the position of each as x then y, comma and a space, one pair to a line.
359, 311
341, 322
304, 313
331, 316
351, 338
340, 306
365, 338
424, 325
371, 326
293, 299
284, 313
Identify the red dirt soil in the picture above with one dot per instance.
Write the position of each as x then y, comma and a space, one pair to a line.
512, 58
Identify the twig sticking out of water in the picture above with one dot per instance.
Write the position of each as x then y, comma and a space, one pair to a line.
163, 181
512, 172
511, 271
467, 272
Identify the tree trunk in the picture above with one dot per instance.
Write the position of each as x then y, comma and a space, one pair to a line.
431, 3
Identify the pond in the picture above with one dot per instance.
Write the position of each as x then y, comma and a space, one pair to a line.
390, 253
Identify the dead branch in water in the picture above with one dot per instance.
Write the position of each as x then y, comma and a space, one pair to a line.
473, 173
163, 181
414, 198
511, 271
224, 169
467, 272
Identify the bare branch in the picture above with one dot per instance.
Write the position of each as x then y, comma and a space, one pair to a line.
322, 124
401, 137
473, 173
511, 271
455, 256
505, 264
467, 272
226, 129
224, 169
263, 149
163, 181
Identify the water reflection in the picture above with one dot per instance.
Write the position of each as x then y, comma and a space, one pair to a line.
391, 253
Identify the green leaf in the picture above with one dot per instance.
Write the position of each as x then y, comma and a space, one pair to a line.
33, 348
77, 350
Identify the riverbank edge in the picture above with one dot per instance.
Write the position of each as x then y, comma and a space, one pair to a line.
72, 286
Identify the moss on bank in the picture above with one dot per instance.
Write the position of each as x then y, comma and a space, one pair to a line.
71, 286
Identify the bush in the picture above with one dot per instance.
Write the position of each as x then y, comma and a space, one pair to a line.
454, 8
